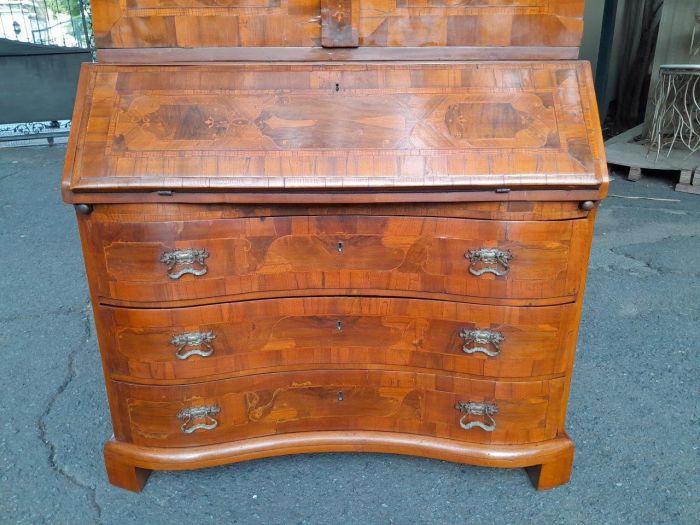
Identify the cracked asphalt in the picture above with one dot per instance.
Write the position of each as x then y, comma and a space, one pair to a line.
634, 409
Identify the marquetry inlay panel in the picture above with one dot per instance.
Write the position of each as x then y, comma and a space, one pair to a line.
298, 23
277, 126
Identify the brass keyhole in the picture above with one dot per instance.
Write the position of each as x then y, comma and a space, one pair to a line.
341, 247
339, 325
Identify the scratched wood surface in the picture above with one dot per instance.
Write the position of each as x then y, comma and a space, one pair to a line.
374, 23
266, 404
327, 332
220, 128
340, 23
279, 256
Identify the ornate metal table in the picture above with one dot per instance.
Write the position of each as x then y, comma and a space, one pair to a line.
676, 120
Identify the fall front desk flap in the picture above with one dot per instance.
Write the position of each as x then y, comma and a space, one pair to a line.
378, 127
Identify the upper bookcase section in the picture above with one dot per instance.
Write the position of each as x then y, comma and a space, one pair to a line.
193, 30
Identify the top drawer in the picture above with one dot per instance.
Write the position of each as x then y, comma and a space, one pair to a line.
227, 259
526, 29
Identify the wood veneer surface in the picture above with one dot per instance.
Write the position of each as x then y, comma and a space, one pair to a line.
340, 127
331, 332
337, 204
500, 24
315, 255
392, 401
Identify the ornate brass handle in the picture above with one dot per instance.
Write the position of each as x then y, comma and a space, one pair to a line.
199, 342
479, 261
482, 338
181, 262
205, 413
470, 408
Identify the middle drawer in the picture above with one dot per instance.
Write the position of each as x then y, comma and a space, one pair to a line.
206, 342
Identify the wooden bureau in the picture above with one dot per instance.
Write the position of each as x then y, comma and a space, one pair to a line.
294, 248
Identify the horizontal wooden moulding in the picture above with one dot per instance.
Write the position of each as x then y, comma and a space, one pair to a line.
128, 465
180, 55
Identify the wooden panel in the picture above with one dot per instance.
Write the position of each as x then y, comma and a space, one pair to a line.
339, 23
252, 336
325, 254
165, 55
297, 23
126, 462
507, 211
283, 127
205, 23
268, 404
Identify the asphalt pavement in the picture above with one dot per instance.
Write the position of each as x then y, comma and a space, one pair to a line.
634, 407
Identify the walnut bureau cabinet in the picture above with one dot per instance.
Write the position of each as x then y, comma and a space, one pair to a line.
336, 225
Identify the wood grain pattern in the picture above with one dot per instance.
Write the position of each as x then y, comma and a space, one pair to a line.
335, 197
496, 210
298, 23
551, 452
551, 474
339, 23
351, 253
124, 474
303, 127
128, 468
373, 400
336, 332
166, 55
334, 206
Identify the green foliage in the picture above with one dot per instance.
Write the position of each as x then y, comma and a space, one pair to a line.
68, 7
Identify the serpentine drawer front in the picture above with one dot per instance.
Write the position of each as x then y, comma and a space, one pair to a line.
414, 403
157, 262
371, 245
205, 342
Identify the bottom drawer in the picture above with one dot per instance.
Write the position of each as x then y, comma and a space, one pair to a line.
417, 403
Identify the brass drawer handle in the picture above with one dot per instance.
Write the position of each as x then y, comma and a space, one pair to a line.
181, 262
199, 342
488, 260
205, 413
470, 408
482, 338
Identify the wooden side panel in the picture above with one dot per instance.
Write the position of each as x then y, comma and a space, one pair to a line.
268, 404
351, 254
219, 128
298, 23
257, 336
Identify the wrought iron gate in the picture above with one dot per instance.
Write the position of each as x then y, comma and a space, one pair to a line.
61, 23
42, 44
